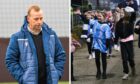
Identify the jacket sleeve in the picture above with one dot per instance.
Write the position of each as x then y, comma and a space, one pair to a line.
108, 36
137, 30
12, 59
108, 32
60, 56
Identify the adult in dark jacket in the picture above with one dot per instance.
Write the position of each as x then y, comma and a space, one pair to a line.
35, 54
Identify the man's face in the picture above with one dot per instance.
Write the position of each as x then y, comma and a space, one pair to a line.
35, 19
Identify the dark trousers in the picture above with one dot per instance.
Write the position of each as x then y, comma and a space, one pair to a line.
110, 46
89, 46
127, 53
97, 60
72, 76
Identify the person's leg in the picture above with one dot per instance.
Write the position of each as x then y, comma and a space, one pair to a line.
92, 49
93, 52
97, 61
124, 60
89, 50
110, 48
104, 65
124, 57
89, 47
72, 75
130, 51
109, 52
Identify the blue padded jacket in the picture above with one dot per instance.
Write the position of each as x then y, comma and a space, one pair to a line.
21, 56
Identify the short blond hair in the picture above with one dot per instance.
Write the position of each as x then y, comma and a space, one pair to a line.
33, 7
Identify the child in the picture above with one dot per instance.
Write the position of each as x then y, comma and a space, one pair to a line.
124, 31
101, 37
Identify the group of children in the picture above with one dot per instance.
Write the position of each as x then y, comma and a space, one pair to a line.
98, 34
101, 32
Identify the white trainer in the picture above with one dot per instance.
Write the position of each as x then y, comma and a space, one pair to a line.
118, 48
125, 77
93, 54
90, 57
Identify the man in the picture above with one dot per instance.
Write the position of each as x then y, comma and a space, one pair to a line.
35, 54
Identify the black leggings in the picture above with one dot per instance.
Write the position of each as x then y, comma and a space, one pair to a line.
97, 60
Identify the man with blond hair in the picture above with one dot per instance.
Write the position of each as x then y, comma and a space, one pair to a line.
35, 54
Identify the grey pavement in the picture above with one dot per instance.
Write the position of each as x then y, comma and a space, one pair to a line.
85, 69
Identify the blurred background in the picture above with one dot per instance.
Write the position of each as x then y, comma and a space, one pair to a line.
97, 4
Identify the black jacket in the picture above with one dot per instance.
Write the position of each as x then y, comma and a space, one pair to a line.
137, 31
123, 30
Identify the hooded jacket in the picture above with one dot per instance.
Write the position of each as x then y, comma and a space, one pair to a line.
21, 56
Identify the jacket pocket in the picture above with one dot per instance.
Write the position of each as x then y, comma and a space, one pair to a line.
21, 80
54, 72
